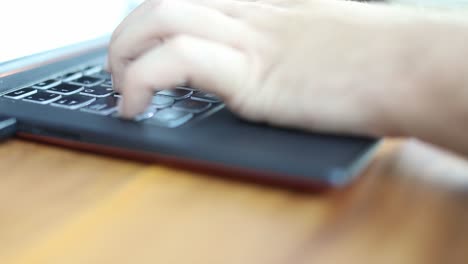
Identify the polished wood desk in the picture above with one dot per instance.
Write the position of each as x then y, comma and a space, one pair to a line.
63, 206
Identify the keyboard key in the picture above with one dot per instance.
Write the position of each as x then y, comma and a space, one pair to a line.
65, 89
107, 83
21, 93
92, 70
71, 76
177, 94
170, 117
103, 75
206, 97
47, 84
102, 106
73, 102
149, 112
42, 98
187, 87
192, 106
98, 91
160, 101
87, 81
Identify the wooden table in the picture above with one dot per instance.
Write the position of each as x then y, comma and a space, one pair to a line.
63, 206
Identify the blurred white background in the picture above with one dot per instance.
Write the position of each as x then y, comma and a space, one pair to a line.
32, 26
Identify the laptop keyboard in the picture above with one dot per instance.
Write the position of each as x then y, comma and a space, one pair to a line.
90, 90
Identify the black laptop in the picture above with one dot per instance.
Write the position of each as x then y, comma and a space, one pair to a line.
55, 87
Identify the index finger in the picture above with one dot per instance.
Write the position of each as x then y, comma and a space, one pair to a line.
171, 18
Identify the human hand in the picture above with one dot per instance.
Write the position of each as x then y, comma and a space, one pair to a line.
305, 64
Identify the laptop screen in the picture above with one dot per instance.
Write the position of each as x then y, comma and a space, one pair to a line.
30, 27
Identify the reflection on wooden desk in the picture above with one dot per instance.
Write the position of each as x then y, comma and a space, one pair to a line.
62, 206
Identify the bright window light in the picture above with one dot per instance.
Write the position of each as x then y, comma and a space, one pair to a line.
29, 26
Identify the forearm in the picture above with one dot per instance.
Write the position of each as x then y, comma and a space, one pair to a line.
432, 101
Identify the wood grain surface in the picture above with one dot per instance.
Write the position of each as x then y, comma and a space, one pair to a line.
65, 206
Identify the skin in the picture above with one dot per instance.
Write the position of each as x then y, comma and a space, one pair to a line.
320, 65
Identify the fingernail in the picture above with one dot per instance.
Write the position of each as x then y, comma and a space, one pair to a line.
120, 106
114, 84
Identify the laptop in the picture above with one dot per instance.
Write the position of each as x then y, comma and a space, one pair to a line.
53, 83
